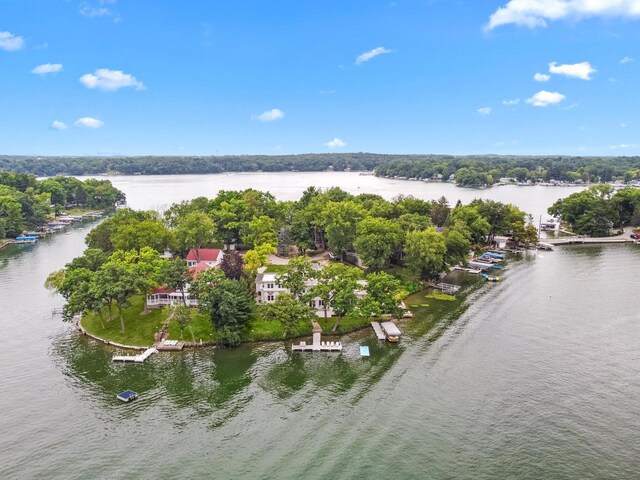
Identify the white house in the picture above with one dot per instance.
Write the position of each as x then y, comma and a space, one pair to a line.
268, 288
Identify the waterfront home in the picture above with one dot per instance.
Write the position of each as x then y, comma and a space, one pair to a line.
268, 288
210, 256
163, 297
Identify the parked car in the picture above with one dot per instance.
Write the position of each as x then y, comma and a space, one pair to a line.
635, 236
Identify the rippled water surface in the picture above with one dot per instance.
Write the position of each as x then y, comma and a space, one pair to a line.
534, 377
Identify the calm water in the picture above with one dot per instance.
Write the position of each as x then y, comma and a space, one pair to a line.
159, 192
537, 377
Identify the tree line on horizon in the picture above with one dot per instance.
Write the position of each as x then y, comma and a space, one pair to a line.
469, 170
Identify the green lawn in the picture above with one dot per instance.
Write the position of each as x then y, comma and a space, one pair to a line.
262, 329
199, 329
139, 329
275, 268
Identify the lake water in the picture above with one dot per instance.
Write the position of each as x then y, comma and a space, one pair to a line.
536, 377
159, 192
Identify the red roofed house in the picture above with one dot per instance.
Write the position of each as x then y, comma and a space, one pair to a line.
198, 261
210, 256
197, 268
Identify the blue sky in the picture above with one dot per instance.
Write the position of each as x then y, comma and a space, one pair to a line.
138, 77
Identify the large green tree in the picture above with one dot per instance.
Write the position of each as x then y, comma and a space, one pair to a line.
289, 311
229, 304
425, 253
376, 241
296, 275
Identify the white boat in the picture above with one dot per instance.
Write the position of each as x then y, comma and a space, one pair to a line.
545, 246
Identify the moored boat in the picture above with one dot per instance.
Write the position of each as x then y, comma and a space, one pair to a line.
26, 239
391, 331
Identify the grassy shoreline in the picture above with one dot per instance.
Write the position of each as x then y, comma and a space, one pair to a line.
140, 329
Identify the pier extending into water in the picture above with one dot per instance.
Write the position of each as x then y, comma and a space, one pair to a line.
135, 358
578, 239
378, 331
317, 345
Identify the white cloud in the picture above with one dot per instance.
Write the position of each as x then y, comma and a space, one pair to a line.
110, 80
89, 122
582, 70
269, 115
511, 103
366, 56
624, 145
544, 98
10, 42
484, 111
536, 13
623, 125
541, 77
47, 68
626, 60
335, 143
57, 125
97, 9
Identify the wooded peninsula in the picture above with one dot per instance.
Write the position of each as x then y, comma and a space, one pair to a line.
353, 257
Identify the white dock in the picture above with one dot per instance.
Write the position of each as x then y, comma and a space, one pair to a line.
317, 345
135, 358
379, 333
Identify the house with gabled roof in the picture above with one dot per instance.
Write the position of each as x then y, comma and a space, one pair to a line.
198, 261
210, 256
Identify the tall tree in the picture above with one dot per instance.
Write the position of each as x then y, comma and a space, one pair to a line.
176, 275
228, 302
195, 230
290, 312
232, 265
296, 275
337, 286
425, 253
257, 258
377, 240
386, 293
340, 220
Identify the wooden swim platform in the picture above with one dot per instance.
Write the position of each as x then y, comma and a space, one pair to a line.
169, 345
378, 330
135, 358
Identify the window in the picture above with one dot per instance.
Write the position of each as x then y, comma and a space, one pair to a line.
312, 304
321, 303
270, 298
270, 285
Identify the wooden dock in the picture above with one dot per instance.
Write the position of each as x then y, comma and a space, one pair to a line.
169, 346
135, 358
474, 271
445, 287
378, 330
